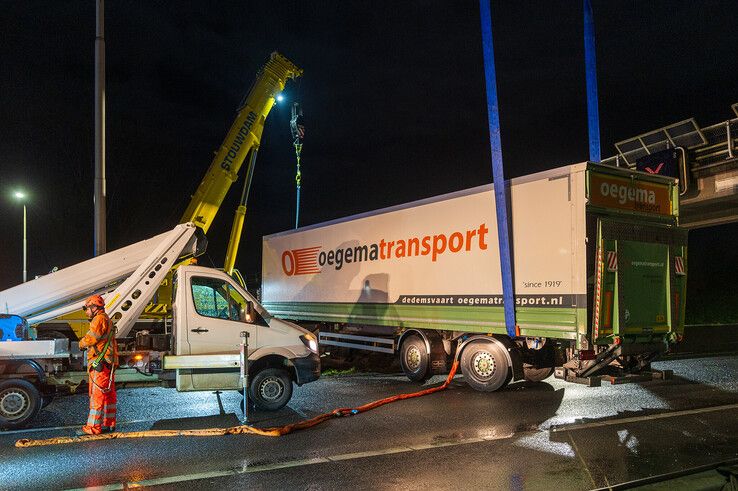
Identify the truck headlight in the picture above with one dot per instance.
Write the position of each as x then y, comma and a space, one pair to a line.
310, 341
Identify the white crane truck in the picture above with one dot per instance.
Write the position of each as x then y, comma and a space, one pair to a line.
200, 352
599, 268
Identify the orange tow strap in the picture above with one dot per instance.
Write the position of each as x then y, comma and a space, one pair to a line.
243, 429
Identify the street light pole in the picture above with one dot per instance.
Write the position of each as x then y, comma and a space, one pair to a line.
100, 199
25, 248
20, 196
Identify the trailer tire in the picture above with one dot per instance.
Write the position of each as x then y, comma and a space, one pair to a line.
271, 389
535, 374
414, 359
485, 366
20, 402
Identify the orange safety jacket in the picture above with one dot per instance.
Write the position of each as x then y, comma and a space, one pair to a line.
96, 338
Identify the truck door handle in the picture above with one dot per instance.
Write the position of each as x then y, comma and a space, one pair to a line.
199, 329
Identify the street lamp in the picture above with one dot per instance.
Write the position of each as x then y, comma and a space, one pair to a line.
20, 196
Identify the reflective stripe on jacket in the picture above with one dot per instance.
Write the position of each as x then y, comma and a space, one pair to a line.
96, 338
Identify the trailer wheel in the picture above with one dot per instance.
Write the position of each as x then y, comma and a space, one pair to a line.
535, 374
271, 389
484, 365
414, 359
20, 402
538, 364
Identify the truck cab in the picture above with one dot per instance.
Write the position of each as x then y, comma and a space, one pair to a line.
210, 312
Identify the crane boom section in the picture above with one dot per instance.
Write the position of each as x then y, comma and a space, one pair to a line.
63, 291
243, 136
127, 301
73, 283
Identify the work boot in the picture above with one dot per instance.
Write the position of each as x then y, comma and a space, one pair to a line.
108, 429
88, 430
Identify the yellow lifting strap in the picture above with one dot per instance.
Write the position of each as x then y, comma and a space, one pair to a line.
243, 429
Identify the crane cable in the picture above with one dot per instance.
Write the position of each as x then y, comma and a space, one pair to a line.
243, 429
297, 127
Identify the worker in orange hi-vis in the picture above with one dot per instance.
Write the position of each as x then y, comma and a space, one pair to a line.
102, 358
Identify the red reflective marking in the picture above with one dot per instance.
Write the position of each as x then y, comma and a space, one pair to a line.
658, 169
587, 354
607, 321
612, 261
679, 265
598, 291
677, 308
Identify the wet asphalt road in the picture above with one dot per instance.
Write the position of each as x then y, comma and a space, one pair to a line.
529, 436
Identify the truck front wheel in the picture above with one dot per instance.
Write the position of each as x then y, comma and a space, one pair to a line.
20, 401
271, 389
484, 365
414, 359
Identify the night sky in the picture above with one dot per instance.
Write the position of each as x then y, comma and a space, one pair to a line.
393, 96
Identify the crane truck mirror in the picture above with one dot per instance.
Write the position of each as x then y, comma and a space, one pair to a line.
249, 313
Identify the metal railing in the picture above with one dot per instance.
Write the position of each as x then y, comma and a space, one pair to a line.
707, 147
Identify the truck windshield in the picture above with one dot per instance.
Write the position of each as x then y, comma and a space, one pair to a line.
214, 297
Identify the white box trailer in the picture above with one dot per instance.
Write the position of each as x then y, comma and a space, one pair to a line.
598, 264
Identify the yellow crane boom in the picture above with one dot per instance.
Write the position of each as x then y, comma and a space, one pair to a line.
243, 137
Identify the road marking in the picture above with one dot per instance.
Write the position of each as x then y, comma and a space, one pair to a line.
387, 451
369, 453
54, 428
636, 419
297, 463
576, 451
281, 465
